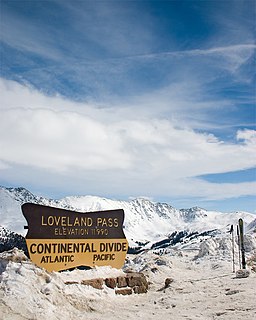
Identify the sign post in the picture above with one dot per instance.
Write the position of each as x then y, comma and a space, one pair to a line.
59, 239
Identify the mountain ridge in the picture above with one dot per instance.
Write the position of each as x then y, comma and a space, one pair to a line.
145, 221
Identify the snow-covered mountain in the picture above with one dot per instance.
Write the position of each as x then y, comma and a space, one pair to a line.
11, 199
251, 228
10, 240
145, 221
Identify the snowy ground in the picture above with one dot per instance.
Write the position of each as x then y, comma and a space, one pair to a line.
204, 289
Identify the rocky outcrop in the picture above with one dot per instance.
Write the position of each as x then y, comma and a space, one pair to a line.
95, 283
132, 282
124, 291
111, 282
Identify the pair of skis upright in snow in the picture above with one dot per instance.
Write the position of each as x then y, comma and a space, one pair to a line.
240, 240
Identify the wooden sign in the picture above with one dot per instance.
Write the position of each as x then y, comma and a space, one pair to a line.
59, 239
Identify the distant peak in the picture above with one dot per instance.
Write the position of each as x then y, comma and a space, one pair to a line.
193, 209
141, 199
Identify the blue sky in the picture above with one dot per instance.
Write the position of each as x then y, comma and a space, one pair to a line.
124, 99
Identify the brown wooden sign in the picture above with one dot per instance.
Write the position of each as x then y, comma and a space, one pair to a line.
59, 239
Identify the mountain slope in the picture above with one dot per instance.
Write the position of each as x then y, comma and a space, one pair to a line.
10, 240
251, 228
145, 221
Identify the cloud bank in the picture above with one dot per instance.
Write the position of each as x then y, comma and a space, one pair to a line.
99, 148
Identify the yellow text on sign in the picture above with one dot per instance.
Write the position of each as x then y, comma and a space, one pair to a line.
62, 254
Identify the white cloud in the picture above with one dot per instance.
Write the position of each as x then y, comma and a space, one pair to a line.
3, 165
35, 132
193, 187
138, 155
248, 136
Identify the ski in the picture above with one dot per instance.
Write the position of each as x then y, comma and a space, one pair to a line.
241, 231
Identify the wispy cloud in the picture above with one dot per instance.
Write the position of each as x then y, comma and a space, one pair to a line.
236, 51
106, 48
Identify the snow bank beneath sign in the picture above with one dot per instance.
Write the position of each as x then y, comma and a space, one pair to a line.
46, 294
96, 272
202, 289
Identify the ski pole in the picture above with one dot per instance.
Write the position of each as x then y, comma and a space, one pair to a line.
239, 246
233, 246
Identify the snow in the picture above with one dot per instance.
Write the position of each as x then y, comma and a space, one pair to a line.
202, 288
251, 228
199, 267
144, 220
10, 212
94, 273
